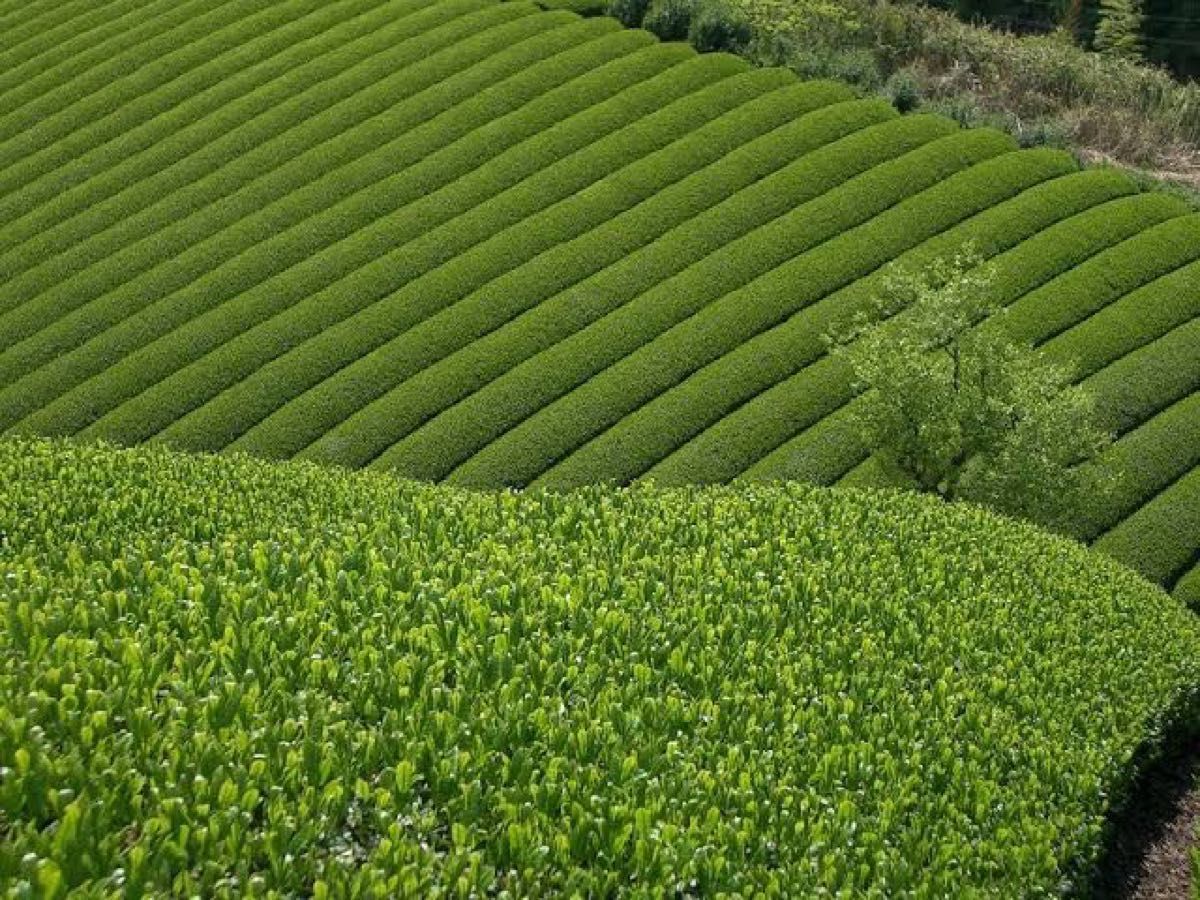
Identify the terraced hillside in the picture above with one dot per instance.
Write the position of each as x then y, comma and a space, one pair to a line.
480, 242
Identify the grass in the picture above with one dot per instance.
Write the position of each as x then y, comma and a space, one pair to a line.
494, 245
226, 676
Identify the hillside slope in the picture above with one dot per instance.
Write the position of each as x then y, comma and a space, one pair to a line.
483, 243
224, 676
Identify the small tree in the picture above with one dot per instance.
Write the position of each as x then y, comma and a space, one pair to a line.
1119, 30
961, 409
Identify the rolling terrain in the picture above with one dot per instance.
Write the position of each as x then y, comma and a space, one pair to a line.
491, 245
230, 677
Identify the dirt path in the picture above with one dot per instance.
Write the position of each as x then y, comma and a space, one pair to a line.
1149, 857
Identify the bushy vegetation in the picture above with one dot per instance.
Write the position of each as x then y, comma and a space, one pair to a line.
482, 242
961, 410
229, 678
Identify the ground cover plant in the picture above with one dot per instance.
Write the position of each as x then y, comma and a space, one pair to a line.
231, 677
488, 243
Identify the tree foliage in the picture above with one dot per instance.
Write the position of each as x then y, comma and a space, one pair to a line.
964, 411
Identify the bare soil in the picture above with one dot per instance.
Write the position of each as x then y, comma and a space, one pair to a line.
1149, 853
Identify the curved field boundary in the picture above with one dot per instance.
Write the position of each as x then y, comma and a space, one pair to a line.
307, 220
312, 254
478, 241
707, 255
640, 164
284, 63
422, 103
738, 317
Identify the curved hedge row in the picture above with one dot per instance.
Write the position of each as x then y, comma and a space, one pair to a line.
450, 146
780, 294
323, 347
233, 108
1162, 539
431, 74
1045, 249
554, 203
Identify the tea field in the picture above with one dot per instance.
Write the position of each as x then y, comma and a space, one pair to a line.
489, 244
233, 677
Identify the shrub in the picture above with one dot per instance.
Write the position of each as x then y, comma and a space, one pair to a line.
904, 91
717, 25
412, 690
1188, 591
670, 19
965, 412
629, 12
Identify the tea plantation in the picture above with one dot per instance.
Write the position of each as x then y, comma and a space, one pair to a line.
484, 243
231, 677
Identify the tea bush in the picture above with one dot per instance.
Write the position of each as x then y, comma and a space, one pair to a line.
224, 677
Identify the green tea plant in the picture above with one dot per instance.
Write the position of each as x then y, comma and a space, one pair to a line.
228, 678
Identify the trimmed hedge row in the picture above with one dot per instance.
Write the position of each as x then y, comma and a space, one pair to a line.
237, 410
62, 59
272, 78
1161, 540
727, 384
1133, 388
1149, 459
57, 166
765, 250
703, 253
529, 308
599, 122
35, 27
385, 96
1132, 265
1188, 591
767, 421
330, 329
53, 129
1129, 323
65, 39
739, 316
447, 147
